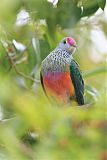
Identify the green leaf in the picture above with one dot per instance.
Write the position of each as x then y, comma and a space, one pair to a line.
102, 69
68, 14
89, 7
65, 15
91, 94
89, 11
101, 3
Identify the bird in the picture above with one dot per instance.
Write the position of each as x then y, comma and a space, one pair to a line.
60, 74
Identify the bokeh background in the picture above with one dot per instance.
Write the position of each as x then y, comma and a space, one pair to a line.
32, 128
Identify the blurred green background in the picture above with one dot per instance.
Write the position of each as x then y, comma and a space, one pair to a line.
31, 128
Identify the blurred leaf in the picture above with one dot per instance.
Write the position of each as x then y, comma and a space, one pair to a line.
8, 10
36, 47
89, 7
1, 112
56, 16
68, 14
91, 94
102, 69
31, 127
89, 11
101, 3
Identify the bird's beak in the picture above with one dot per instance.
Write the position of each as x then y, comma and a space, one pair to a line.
74, 45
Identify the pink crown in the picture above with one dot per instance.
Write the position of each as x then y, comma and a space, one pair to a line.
71, 41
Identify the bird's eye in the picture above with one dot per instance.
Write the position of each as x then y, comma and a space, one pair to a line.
64, 41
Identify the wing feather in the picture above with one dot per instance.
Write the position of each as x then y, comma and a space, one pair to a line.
77, 81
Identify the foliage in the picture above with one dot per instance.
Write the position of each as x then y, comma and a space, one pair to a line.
30, 126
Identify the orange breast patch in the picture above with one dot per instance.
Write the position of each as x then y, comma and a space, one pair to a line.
59, 84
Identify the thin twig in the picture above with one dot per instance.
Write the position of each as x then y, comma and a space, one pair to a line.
16, 69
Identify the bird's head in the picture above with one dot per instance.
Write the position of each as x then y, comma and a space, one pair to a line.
68, 44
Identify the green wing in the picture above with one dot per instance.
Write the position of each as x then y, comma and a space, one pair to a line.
77, 81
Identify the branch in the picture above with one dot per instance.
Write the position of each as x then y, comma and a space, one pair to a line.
13, 65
